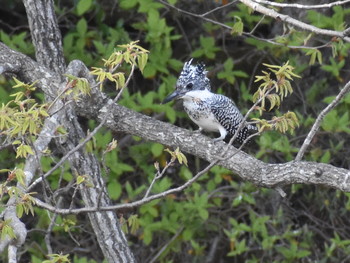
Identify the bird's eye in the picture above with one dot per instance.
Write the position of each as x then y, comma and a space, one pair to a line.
189, 85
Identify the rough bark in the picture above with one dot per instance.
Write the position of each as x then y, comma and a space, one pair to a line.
49, 54
45, 34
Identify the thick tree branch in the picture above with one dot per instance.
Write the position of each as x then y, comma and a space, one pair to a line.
246, 166
249, 168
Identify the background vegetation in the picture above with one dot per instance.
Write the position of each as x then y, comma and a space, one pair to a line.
220, 218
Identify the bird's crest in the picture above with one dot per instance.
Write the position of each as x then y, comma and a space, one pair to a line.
195, 74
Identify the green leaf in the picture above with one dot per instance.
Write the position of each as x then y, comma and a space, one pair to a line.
157, 149
7, 230
330, 121
80, 179
134, 223
187, 234
185, 173
314, 54
170, 114
20, 176
82, 27
127, 4
237, 201
237, 28
203, 213
142, 61
114, 190
83, 6
172, 2
303, 253
19, 210
147, 236
249, 198
326, 157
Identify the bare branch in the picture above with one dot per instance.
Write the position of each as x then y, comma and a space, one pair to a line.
159, 253
319, 119
137, 203
271, 13
157, 176
287, 19
12, 253
301, 6
50, 227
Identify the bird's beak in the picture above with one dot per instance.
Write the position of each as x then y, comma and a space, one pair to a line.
171, 96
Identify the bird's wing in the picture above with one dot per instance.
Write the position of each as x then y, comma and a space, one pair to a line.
226, 113
229, 116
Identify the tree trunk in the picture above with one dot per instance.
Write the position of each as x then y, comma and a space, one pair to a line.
47, 40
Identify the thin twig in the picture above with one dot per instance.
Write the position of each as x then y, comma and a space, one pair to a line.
137, 203
157, 176
319, 119
50, 227
159, 253
257, 25
218, 8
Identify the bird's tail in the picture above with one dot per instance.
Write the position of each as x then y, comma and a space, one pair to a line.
246, 132
252, 128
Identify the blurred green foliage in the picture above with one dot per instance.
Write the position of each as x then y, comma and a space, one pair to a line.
239, 221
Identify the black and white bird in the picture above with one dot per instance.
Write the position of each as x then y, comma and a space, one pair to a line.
210, 111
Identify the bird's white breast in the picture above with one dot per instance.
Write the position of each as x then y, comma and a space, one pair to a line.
197, 106
208, 124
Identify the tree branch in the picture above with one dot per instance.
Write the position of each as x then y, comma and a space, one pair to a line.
49, 53
262, 174
105, 224
45, 33
289, 20
246, 166
301, 6
268, 12
319, 119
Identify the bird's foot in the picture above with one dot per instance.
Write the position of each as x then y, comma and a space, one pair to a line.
217, 139
199, 131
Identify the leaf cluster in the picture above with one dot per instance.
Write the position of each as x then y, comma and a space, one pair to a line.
22, 117
275, 89
177, 155
132, 54
6, 230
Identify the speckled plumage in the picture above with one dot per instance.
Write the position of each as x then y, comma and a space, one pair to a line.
210, 111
